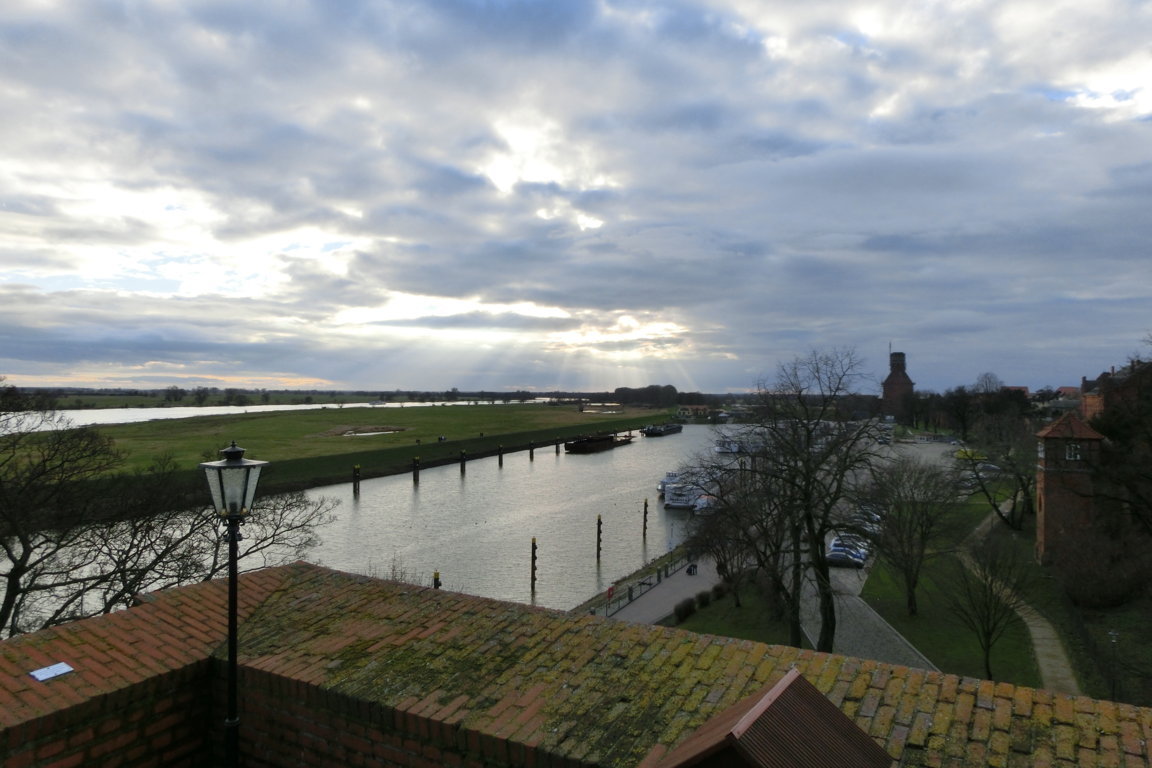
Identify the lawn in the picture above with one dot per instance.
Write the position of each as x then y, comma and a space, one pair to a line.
941, 636
750, 621
322, 445
1120, 671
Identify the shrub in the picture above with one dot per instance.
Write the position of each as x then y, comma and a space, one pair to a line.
1099, 571
719, 590
704, 599
684, 609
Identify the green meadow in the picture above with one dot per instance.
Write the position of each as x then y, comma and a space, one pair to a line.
321, 446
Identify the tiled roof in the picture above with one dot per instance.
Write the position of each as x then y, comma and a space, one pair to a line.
584, 688
165, 633
760, 732
1070, 426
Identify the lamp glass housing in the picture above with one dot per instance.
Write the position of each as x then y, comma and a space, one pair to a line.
232, 481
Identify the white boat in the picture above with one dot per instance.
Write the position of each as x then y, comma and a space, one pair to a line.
670, 478
679, 496
703, 504
659, 430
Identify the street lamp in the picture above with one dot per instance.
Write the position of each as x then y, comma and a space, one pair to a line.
232, 482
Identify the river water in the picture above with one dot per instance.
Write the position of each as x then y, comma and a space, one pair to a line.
476, 527
99, 416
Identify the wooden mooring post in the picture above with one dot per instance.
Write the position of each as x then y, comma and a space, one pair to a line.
356, 480
533, 565
644, 533
599, 535
415, 469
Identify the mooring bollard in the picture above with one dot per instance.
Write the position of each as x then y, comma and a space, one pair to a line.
356, 480
531, 451
500, 453
415, 469
435, 579
644, 533
558, 441
463, 459
533, 564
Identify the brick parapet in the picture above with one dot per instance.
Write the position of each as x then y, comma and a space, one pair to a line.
159, 722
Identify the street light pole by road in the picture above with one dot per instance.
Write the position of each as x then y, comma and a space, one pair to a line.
232, 482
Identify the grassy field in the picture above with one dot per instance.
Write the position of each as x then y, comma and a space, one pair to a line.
940, 636
320, 446
1120, 671
750, 621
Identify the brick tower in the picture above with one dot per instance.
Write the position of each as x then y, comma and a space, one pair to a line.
898, 389
1065, 503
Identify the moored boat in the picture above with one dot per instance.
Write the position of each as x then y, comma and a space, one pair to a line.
680, 496
659, 430
670, 478
596, 443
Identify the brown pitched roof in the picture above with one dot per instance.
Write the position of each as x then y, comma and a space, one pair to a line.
790, 725
582, 689
1069, 426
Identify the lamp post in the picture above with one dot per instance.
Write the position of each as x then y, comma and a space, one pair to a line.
232, 482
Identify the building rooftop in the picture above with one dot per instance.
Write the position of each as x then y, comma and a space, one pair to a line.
535, 685
1069, 426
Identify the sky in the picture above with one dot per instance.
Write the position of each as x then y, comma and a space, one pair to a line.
575, 195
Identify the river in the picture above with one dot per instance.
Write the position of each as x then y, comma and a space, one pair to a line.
102, 416
476, 527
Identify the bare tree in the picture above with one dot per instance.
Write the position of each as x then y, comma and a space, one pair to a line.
716, 535
919, 500
986, 590
988, 383
1007, 454
46, 474
78, 540
806, 454
747, 524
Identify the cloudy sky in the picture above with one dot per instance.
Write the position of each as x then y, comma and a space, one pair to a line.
492, 194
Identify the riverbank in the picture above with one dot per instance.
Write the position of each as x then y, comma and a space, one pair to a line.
322, 447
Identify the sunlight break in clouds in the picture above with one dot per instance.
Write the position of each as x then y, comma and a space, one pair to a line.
400, 194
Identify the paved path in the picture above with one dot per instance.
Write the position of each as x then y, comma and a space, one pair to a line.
1056, 673
660, 601
860, 631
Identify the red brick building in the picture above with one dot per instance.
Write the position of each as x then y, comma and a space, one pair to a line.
898, 389
1114, 388
1068, 450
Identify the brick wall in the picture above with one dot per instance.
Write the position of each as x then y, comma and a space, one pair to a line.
162, 721
289, 724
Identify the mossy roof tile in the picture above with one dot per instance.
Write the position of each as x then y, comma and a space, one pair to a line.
584, 690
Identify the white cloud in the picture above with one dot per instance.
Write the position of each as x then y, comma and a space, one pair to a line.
571, 194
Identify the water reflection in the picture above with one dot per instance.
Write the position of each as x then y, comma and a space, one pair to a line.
476, 527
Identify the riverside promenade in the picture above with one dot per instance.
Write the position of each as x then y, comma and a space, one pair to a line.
860, 631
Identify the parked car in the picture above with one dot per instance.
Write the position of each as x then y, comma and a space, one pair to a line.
845, 558
852, 541
866, 520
